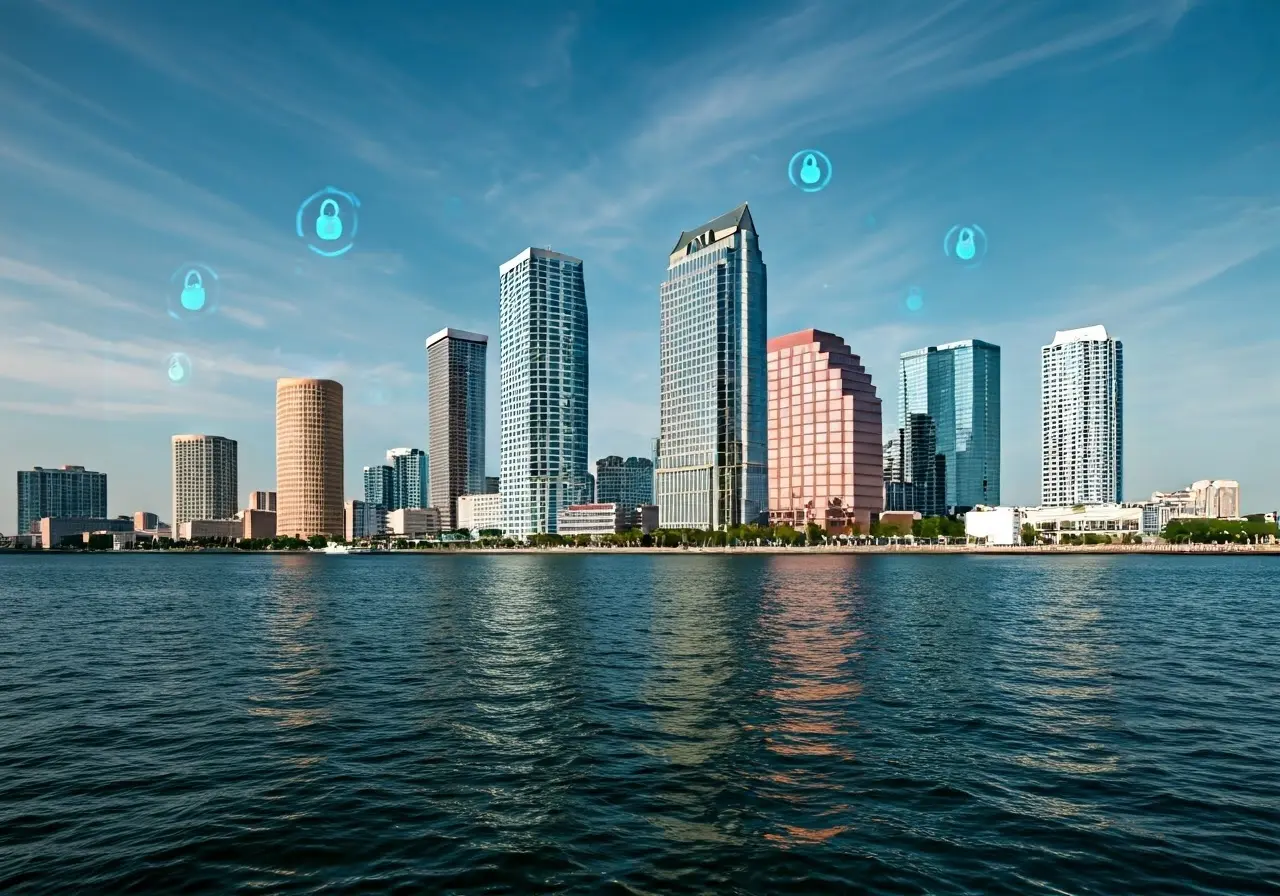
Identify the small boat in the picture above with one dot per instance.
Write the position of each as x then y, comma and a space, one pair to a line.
347, 549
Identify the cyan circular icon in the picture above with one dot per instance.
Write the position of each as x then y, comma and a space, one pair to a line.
179, 368
966, 243
328, 221
915, 299
809, 170
193, 291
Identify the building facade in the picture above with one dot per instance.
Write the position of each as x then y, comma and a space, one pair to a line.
309, 457
56, 531
627, 482
713, 406
919, 471
480, 513
410, 478
259, 523
825, 432
206, 483
1216, 498
262, 500
69, 491
543, 342
145, 521
380, 486
357, 521
414, 523
958, 385
1082, 419
594, 519
456, 365
491, 485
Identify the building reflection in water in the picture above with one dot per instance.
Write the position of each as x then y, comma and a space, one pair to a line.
810, 627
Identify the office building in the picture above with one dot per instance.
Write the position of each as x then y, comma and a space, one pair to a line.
410, 478
68, 491
357, 520
258, 523
380, 486
144, 521
958, 385
713, 405
210, 530
414, 523
542, 318
1082, 419
920, 472
627, 482
309, 457
262, 501
491, 485
595, 519
60, 531
206, 484
825, 431
1216, 498
456, 365
480, 513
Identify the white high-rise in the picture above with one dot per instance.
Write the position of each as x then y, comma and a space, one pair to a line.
542, 319
1082, 418
205, 478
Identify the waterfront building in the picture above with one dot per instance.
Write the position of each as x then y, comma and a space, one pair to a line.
480, 513
357, 521
713, 406
1082, 418
380, 486
258, 523
920, 471
1003, 525
543, 344
144, 521
1216, 498
456, 365
491, 485
627, 482
410, 478
414, 523
69, 491
995, 526
55, 531
958, 385
206, 484
309, 457
825, 449
595, 519
190, 530
262, 500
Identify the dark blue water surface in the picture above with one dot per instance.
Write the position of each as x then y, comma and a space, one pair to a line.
639, 724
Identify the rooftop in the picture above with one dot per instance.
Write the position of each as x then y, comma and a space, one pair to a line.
729, 222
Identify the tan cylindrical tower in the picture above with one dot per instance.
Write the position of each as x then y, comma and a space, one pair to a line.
309, 457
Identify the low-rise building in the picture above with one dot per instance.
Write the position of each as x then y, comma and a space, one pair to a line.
414, 523
994, 525
593, 519
192, 530
645, 518
120, 541
259, 523
480, 513
53, 531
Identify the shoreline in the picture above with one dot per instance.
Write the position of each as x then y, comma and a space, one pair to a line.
927, 550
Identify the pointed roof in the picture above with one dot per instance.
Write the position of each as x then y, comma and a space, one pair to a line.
738, 219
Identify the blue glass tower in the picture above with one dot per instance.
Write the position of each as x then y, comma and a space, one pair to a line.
958, 386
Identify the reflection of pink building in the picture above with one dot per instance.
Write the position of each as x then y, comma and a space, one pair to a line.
825, 455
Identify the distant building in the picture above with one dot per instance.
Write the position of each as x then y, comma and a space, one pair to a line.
542, 315
206, 483
120, 541
457, 362
200, 529
69, 491
380, 487
627, 482
491, 485
922, 470
414, 523
996, 526
1082, 419
262, 501
825, 454
478, 513
594, 519
309, 457
1116, 520
1217, 498
713, 406
258, 523
357, 520
144, 521
55, 531
410, 478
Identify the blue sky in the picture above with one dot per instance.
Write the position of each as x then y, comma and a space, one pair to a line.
1123, 156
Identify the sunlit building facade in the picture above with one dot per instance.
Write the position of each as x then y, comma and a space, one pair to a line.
206, 482
309, 457
456, 366
1082, 419
69, 491
825, 431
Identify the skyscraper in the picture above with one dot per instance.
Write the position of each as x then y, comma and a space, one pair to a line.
543, 344
456, 364
958, 385
262, 500
380, 487
68, 491
712, 467
206, 484
410, 478
309, 457
825, 451
917, 477
627, 482
1082, 418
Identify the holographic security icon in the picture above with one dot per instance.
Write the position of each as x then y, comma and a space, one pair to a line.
809, 170
915, 299
966, 243
179, 368
193, 291
810, 173
329, 224
965, 249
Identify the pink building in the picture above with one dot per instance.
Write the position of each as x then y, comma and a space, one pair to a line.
825, 454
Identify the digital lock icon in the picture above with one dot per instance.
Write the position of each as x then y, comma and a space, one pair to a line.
329, 225
176, 373
965, 249
809, 171
193, 291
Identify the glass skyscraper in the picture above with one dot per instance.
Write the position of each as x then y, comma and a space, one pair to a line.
409, 478
627, 482
456, 364
1082, 418
713, 403
958, 386
542, 318
67, 491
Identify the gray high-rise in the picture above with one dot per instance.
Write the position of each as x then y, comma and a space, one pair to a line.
713, 443
1082, 418
67, 491
456, 363
206, 481
627, 482
542, 318
958, 386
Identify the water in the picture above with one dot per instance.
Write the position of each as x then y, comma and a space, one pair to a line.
639, 724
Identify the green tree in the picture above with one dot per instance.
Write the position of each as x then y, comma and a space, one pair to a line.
1029, 534
813, 533
317, 541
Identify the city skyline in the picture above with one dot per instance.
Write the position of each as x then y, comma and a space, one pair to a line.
212, 171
